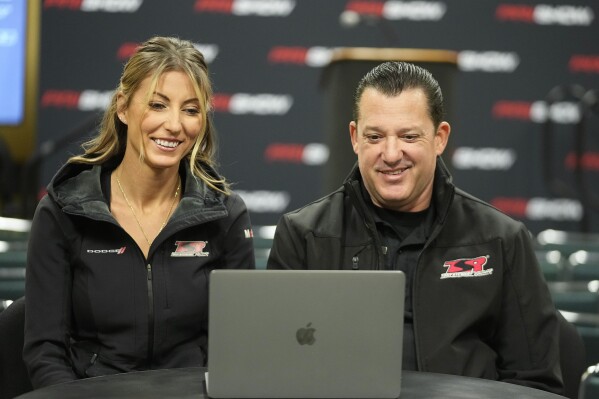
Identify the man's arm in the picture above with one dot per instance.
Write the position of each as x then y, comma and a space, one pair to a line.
527, 340
288, 248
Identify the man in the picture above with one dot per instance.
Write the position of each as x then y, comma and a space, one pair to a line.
476, 302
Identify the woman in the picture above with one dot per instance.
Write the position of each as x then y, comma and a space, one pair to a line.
122, 246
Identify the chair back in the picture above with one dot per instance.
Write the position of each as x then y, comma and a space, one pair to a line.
589, 387
14, 379
572, 356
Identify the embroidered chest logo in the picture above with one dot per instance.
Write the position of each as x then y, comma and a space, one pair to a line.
190, 249
118, 251
471, 267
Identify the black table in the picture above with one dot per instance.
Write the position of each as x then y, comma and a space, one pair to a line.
189, 383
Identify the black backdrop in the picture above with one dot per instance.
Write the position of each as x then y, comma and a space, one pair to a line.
267, 59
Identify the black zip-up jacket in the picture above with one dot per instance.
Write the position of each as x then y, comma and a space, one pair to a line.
481, 307
97, 306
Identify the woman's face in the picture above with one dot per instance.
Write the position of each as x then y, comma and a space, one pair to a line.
167, 125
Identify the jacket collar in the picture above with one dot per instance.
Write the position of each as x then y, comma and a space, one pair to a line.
76, 188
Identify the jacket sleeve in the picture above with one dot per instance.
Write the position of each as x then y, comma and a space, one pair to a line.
238, 248
288, 248
528, 336
47, 289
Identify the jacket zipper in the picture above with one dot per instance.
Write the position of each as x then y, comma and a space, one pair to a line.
417, 271
150, 315
355, 198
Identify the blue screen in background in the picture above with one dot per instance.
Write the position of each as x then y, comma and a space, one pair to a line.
13, 28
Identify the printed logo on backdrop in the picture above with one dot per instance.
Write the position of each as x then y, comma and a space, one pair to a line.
257, 104
564, 112
466, 158
588, 161
584, 63
307, 56
126, 50
545, 14
398, 10
488, 61
95, 5
259, 8
265, 201
311, 154
551, 209
86, 100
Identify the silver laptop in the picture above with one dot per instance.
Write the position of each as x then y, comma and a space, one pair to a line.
305, 334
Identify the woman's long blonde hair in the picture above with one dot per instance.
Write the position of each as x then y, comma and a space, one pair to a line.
153, 58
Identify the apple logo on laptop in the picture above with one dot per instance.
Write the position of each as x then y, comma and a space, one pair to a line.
305, 335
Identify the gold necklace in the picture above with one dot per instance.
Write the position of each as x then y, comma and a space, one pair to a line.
135, 215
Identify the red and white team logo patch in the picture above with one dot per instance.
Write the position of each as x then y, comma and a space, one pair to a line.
190, 249
467, 267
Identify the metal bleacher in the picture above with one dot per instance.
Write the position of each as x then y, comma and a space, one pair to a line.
263, 236
13, 258
570, 264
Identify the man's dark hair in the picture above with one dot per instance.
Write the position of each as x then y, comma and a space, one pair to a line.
391, 78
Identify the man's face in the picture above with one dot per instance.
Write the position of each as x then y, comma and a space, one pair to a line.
397, 146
